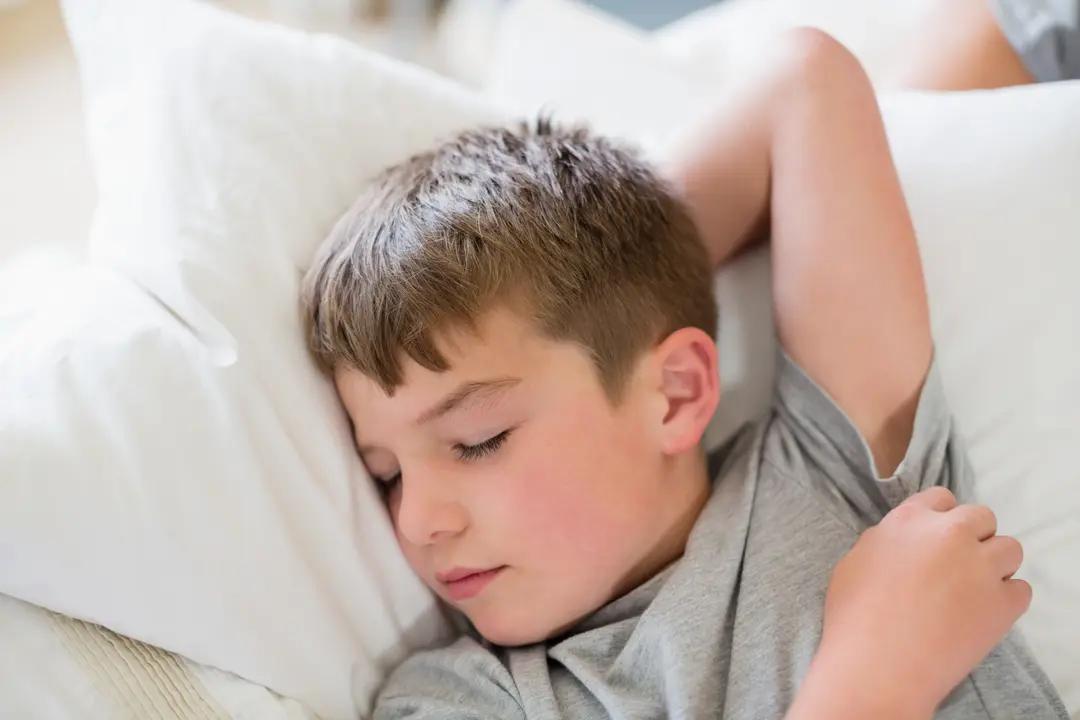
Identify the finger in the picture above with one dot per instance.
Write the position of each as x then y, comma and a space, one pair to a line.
1018, 593
978, 518
1007, 554
936, 498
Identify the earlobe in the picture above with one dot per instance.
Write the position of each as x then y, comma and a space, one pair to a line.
690, 385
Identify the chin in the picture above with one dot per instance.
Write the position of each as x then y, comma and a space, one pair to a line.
510, 631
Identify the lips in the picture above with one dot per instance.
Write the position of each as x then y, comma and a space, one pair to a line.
469, 582
459, 573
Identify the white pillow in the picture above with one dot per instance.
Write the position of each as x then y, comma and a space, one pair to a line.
991, 179
174, 466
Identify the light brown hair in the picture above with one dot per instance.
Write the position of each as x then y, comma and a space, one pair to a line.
569, 227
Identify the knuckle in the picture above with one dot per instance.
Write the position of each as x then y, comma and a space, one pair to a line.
1024, 593
954, 529
904, 513
1015, 547
987, 513
939, 492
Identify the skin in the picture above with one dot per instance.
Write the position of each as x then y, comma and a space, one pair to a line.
582, 501
959, 46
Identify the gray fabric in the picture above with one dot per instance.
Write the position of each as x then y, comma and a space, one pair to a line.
729, 629
1045, 33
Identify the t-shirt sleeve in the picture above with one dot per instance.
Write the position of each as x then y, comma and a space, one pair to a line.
462, 681
1045, 33
812, 440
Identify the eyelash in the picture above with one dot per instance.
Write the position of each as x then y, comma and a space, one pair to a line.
474, 452
466, 453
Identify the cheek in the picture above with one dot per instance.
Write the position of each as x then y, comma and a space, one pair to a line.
577, 488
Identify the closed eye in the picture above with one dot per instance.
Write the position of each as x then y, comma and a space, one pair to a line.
475, 452
464, 452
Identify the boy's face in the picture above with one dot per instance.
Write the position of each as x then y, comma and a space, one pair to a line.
515, 459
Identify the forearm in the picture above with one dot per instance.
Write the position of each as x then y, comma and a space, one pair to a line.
958, 46
721, 167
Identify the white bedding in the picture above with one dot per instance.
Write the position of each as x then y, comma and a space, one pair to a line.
174, 467
223, 155
53, 667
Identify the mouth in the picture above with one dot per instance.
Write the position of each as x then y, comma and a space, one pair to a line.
469, 583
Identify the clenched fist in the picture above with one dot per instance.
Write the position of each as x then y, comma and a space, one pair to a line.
917, 603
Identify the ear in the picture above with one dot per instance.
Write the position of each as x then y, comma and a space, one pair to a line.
690, 385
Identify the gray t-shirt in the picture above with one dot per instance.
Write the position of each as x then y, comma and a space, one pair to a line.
1045, 33
728, 630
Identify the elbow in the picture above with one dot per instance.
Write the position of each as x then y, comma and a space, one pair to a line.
809, 60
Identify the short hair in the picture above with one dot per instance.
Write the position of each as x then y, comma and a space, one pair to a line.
571, 227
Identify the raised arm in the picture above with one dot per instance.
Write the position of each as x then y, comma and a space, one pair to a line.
959, 45
800, 147
969, 44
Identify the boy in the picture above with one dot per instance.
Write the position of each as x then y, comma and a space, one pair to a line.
520, 326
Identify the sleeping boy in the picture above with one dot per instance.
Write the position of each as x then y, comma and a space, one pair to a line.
520, 324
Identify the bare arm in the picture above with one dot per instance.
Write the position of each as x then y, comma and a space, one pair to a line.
959, 46
801, 147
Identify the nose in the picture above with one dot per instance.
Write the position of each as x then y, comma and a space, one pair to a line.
427, 510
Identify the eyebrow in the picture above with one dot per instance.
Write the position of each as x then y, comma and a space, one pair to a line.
469, 391
464, 392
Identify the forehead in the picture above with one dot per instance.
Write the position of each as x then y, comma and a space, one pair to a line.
503, 345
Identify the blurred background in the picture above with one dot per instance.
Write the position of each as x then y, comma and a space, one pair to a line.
46, 188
